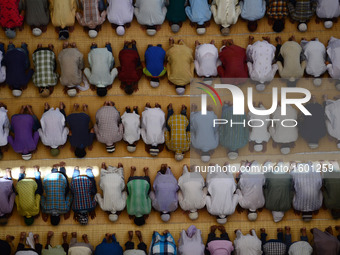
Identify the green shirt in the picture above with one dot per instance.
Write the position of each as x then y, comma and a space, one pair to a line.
57, 250
278, 191
331, 184
138, 202
176, 11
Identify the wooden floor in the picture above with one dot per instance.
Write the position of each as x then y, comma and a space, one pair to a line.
163, 95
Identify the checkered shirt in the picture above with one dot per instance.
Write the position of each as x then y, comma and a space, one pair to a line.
277, 9
163, 244
303, 10
55, 200
178, 139
274, 248
81, 190
45, 64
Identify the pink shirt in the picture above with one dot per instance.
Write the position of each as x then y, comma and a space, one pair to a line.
220, 247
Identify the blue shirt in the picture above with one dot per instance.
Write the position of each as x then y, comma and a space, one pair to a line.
253, 9
79, 126
198, 11
154, 59
109, 248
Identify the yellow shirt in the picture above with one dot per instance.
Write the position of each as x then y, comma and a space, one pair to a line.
179, 139
63, 12
28, 203
180, 65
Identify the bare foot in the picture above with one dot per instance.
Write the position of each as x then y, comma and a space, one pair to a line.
213, 229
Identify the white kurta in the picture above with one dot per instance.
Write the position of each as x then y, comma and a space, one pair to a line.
315, 53
120, 12
332, 111
206, 60
250, 191
191, 196
259, 134
333, 52
53, 131
226, 12
247, 244
150, 12
260, 57
2, 69
131, 124
112, 183
281, 134
153, 123
221, 200
4, 126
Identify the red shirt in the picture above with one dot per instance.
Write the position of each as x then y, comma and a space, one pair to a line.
9, 14
130, 67
234, 62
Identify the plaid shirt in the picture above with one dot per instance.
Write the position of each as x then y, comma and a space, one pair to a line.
91, 15
277, 9
56, 199
179, 139
81, 188
303, 10
274, 248
45, 65
163, 244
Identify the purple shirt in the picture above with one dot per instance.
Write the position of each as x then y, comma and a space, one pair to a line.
26, 138
7, 196
220, 247
165, 192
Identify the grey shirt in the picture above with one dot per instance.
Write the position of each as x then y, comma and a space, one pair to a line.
36, 12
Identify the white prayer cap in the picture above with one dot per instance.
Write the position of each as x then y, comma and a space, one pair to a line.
302, 27
233, 155
175, 28
120, 30
317, 82
205, 158
260, 87
179, 156
16, 92
165, 217
113, 217
180, 91
252, 216
222, 219
338, 145
131, 148
277, 216
201, 30
285, 150
258, 147
328, 24
154, 84
93, 33
27, 156
36, 31
313, 145
71, 92
193, 215
151, 32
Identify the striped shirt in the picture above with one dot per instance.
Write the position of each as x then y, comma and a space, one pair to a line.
303, 10
45, 65
108, 128
81, 189
307, 185
236, 136
277, 9
91, 14
178, 139
138, 202
56, 199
